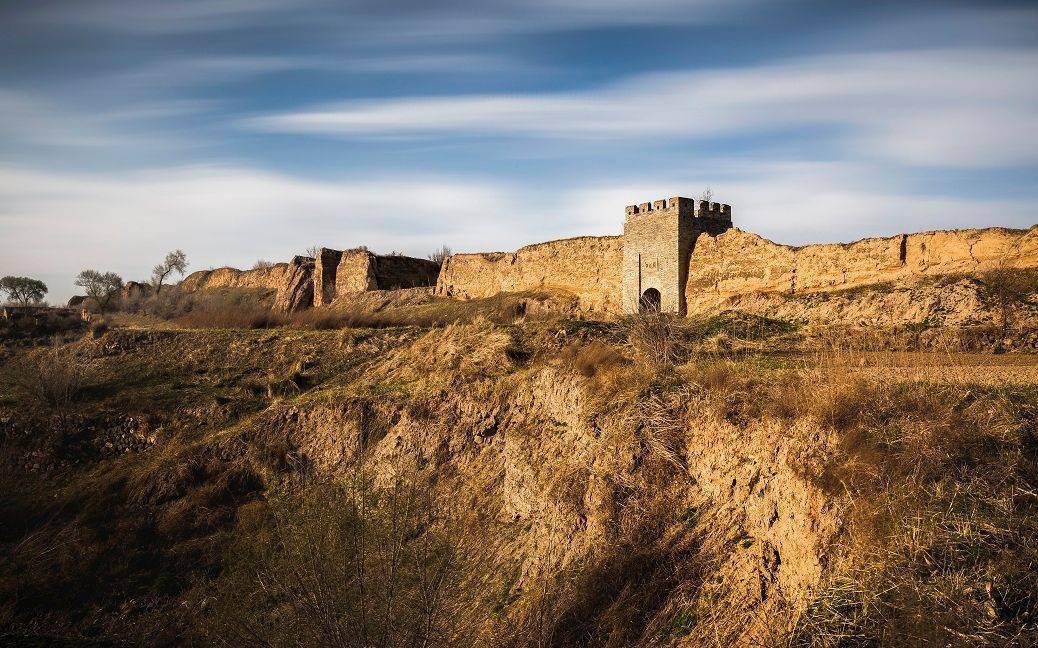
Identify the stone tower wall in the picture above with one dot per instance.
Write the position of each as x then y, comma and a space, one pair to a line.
654, 236
658, 239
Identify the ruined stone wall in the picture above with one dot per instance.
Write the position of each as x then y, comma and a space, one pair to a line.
340, 273
296, 292
356, 272
737, 262
394, 272
326, 265
266, 278
588, 267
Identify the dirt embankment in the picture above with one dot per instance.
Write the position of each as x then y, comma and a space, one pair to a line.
604, 489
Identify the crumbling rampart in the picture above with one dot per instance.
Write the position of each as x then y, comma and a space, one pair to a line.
587, 266
268, 278
677, 255
738, 262
307, 281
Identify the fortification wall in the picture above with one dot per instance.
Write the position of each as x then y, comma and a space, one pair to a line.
738, 262
394, 272
340, 273
589, 267
267, 278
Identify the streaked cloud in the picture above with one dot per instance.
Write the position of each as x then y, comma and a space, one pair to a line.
227, 215
942, 108
408, 19
233, 215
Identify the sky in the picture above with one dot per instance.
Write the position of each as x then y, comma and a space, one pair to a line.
240, 130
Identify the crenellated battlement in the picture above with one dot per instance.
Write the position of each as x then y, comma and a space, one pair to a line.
684, 207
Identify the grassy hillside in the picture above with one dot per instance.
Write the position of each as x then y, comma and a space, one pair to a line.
733, 480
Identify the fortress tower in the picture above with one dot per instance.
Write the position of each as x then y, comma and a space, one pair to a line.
658, 241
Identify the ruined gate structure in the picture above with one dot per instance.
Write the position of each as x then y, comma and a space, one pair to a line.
657, 244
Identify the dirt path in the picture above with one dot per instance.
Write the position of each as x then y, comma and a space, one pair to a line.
965, 368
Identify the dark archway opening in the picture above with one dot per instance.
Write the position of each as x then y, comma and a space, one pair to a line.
650, 301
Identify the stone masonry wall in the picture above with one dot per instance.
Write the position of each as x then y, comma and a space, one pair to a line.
356, 272
658, 238
737, 262
587, 266
651, 258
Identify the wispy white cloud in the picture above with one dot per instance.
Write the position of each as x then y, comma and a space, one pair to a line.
957, 108
56, 224
33, 120
160, 16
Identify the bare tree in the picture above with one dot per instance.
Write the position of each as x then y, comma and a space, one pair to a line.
23, 291
262, 264
175, 261
101, 287
439, 255
707, 195
312, 251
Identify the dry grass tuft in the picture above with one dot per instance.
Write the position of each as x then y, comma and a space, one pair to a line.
655, 338
592, 359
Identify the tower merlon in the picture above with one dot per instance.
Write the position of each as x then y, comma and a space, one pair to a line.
677, 203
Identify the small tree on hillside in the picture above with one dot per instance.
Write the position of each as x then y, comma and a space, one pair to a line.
439, 255
100, 287
1009, 290
175, 261
23, 291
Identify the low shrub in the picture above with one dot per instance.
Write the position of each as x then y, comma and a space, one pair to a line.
50, 377
346, 565
655, 338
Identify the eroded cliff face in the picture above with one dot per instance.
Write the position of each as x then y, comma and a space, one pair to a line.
588, 267
559, 480
742, 263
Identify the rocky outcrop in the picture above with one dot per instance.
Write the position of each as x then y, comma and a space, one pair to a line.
588, 267
296, 292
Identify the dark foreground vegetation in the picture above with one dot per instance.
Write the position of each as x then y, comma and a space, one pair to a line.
489, 474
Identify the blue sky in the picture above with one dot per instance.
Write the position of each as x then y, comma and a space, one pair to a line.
246, 129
